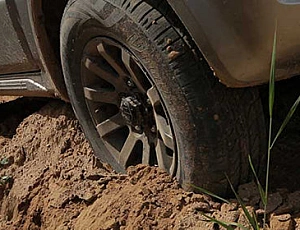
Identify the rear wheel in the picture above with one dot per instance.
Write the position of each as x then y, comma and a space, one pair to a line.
125, 106
144, 94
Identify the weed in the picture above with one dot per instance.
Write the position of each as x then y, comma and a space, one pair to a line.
4, 162
251, 218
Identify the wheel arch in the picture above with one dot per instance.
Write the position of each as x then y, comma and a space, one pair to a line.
45, 19
236, 37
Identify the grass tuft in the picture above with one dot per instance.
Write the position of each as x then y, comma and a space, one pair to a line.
251, 218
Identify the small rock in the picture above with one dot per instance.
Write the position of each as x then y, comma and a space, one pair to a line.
285, 208
260, 211
294, 200
249, 193
248, 190
88, 197
199, 198
179, 197
215, 205
284, 217
274, 201
282, 222
229, 207
231, 216
173, 54
201, 207
297, 221
187, 200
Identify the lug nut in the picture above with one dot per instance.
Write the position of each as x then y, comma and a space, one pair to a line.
130, 83
153, 129
137, 128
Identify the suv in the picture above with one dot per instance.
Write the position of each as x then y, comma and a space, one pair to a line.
168, 83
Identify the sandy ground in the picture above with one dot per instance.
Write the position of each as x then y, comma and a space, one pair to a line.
51, 180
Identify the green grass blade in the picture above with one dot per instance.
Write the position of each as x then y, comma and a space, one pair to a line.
227, 225
272, 76
4, 161
202, 190
271, 105
238, 225
250, 219
255, 220
260, 188
5, 178
286, 120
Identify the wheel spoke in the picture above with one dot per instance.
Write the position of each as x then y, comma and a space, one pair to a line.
111, 60
163, 159
161, 123
101, 95
92, 65
126, 60
112, 150
146, 150
110, 125
165, 131
153, 95
127, 148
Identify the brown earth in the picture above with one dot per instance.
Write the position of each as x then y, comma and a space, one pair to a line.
49, 179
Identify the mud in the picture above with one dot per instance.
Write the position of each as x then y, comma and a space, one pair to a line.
49, 179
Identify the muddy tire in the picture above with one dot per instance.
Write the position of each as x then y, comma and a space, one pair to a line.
143, 94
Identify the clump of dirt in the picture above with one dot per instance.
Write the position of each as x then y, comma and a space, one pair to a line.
14, 111
50, 179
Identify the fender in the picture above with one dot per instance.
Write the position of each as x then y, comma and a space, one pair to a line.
236, 37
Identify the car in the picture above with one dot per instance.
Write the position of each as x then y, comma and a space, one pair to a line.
168, 83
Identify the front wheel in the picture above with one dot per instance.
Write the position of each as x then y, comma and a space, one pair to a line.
143, 94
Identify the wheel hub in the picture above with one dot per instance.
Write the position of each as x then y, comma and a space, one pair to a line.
126, 107
131, 111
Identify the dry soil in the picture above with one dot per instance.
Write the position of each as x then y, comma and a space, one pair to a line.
51, 180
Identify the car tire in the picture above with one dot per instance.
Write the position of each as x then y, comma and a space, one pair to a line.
166, 107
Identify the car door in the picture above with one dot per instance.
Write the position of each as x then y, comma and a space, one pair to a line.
18, 53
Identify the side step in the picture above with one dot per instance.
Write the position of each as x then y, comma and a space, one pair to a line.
21, 84
30, 84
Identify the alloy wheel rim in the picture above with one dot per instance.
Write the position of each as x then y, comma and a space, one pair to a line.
125, 106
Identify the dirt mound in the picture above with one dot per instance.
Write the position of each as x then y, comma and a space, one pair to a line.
49, 179
55, 182
49, 163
